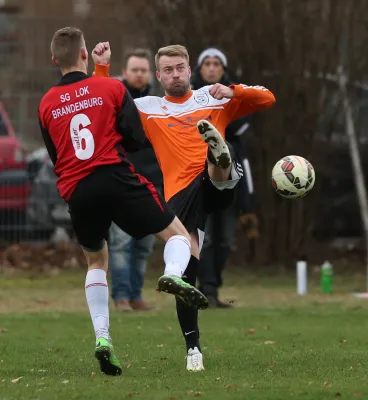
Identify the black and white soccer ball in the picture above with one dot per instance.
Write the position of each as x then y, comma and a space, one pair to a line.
293, 177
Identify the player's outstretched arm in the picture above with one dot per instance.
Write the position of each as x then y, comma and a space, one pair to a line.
244, 99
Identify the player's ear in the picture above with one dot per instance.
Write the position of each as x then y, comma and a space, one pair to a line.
54, 61
190, 71
158, 76
84, 53
124, 73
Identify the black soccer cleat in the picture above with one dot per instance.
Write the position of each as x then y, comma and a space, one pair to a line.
220, 152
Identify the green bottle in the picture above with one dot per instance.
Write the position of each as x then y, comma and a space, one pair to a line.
326, 277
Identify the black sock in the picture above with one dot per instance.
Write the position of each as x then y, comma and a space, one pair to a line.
188, 316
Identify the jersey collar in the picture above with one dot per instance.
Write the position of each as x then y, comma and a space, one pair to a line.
72, 77
179, 100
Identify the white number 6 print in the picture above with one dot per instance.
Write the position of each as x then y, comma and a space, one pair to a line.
85, 150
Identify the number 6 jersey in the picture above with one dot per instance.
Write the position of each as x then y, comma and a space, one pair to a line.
86, 122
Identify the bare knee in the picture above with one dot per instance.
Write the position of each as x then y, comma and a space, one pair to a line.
97, 259
175, 228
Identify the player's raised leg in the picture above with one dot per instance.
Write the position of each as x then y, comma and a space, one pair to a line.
218, 154
150, 214
223, 170
97, 295
177, 254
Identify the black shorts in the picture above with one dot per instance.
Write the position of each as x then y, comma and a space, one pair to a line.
193, 204
114, 193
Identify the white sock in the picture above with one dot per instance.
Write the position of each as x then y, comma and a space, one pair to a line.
97, 294
177, 255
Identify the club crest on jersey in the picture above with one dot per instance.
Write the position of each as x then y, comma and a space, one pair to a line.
201, 98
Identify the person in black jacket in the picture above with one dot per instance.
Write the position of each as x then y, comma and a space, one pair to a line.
221, 225
128, 256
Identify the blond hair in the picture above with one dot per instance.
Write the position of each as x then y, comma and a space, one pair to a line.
174, 50
65, 46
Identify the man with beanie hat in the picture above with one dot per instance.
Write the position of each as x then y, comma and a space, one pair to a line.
212, 68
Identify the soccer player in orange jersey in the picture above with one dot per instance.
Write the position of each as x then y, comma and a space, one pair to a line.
186, 129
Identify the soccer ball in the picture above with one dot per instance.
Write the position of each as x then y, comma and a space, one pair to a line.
293, 177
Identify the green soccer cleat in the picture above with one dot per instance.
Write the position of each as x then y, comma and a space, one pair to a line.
109, 363
191, 296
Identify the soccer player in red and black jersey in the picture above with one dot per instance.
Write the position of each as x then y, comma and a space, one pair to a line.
87, 123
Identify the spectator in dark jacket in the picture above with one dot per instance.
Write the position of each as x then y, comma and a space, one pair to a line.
128, 256
221, 225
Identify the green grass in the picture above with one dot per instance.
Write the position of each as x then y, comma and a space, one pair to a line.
302, 348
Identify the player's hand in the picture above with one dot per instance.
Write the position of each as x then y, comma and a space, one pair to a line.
101, 54
219, 91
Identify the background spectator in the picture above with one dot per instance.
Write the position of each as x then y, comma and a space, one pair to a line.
221, 225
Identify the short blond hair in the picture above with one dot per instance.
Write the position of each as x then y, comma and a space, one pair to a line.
65, 46
174, 50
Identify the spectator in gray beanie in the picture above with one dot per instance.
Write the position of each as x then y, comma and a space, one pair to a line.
212, 67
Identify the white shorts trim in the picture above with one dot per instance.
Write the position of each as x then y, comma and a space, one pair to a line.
200, 239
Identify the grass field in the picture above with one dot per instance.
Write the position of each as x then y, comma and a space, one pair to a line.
273, 345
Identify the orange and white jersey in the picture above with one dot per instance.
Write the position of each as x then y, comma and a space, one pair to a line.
170, 124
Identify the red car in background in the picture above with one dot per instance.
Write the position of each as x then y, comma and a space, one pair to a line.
14, 181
